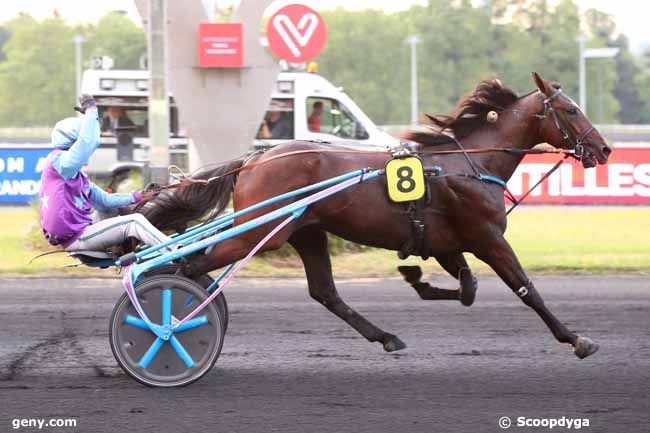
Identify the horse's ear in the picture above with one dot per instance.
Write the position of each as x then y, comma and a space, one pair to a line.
541, 83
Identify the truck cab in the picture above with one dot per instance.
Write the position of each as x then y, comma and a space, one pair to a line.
305, 106
122, 100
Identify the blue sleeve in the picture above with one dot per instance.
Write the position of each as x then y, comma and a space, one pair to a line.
69, 163
101, 200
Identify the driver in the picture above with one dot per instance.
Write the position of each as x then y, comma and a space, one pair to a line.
66, 196
276, 126
115, 119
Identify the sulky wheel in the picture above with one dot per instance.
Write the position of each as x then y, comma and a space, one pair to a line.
204, 280
188, 354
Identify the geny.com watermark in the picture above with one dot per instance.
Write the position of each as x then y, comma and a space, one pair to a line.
17, 423
547, 423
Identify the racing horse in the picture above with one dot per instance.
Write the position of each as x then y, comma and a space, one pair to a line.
465, 213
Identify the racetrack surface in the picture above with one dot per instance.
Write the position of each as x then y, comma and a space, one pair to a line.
289, 365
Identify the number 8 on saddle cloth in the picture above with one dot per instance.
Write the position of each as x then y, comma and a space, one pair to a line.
405, 179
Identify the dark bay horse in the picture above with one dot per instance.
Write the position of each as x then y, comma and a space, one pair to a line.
464, 214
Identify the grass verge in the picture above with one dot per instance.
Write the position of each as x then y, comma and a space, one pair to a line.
546, 239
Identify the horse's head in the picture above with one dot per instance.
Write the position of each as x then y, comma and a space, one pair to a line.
565, 126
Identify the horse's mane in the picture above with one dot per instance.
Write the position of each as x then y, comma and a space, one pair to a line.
469, 115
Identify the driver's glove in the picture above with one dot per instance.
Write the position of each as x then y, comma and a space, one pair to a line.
85, 102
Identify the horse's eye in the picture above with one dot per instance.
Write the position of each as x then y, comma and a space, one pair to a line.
572, 111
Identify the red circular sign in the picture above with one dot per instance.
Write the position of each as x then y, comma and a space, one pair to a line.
296, 33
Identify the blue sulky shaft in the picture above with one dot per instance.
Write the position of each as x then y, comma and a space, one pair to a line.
226, 220
363, 175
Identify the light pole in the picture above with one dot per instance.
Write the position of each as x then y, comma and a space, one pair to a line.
413, 41
590, 53
158, 96
78, 41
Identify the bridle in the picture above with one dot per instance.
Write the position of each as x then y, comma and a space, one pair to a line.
579, 150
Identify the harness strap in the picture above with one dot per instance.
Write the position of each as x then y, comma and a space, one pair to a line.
516, 202
494, 179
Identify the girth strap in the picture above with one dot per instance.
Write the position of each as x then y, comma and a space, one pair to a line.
416, 244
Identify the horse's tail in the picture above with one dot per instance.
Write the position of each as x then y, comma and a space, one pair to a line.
176, 208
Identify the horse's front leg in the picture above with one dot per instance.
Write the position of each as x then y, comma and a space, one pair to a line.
456, 265
499, 256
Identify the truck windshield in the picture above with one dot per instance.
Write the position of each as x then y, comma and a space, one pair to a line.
329, 116
278, 121
115, 120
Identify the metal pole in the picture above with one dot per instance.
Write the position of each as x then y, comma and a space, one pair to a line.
601, 113
583, 75
158, 95
78, 40
413, 41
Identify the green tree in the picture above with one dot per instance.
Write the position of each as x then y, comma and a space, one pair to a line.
455, 51
461, 44
627, 90
4, 37
37, 77
115, 35
366, 53
643, 84
537, 38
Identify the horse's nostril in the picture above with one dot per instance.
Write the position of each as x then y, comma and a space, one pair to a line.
606, 150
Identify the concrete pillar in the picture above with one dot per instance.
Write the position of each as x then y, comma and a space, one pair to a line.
221, 108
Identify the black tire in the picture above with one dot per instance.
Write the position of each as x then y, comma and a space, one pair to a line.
129, 343
204, 280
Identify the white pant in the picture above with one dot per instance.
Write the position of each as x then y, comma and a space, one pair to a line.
102, 235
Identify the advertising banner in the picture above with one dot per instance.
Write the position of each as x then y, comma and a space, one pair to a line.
20, 173
221, 45
625, 179
296, 33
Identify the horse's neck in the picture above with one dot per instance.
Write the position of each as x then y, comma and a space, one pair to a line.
517, 128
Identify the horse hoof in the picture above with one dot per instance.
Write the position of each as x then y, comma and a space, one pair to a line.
412, 274
392, 343
584, 347
467, 287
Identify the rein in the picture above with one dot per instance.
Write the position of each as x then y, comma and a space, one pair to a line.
578, 152
185, 181
548, 174
489, 178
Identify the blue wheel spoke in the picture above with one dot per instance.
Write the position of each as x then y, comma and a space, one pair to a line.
151, 353
192, 323
182, 353
166, 307
136, 321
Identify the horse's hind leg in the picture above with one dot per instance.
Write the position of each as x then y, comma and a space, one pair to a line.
456, 265
311, 244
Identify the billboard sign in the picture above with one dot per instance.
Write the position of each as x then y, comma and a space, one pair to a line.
20, 173
625, 179
296, 33
221, 45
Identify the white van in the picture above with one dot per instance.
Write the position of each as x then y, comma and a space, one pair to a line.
122, 99
305, 106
